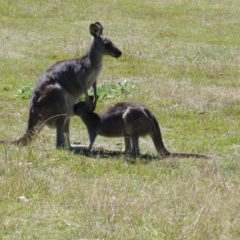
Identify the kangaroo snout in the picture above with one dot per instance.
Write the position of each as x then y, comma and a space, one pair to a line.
113, 51
118, 54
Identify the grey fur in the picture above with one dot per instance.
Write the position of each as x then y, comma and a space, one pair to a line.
60, 86
129, 120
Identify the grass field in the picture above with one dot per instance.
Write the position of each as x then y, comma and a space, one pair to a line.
181, 58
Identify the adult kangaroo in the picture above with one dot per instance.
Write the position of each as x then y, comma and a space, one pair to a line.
60, 86
130, 120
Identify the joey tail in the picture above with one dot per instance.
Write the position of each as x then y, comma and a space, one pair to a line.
161, 149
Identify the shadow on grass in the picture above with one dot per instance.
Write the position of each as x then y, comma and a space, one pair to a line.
102, 152
107, 153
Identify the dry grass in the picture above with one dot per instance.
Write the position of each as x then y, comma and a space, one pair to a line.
183, 57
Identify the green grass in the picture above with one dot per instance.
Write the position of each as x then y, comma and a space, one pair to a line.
182, 57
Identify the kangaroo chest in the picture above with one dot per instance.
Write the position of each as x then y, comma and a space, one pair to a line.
92, 75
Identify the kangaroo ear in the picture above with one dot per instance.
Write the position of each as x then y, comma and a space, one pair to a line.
100, 27
96, 29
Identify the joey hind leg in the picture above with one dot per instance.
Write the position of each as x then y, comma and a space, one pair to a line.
127, 142
135, 146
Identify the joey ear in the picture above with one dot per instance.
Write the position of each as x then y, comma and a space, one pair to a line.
91, 97
96, 29
75, 107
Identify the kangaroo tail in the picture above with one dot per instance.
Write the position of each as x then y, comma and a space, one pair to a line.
161, 149
7, 141
188, 155
32, 129
24, 140
35, 124
157, 138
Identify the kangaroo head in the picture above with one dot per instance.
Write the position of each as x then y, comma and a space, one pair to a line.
103, 44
